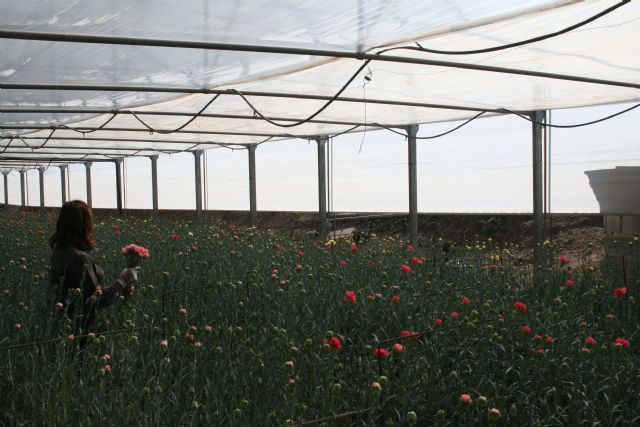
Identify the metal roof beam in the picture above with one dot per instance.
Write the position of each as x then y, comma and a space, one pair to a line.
92, 138
114, 129
53, 110
53, 159
165, 89
185, 44
44, 150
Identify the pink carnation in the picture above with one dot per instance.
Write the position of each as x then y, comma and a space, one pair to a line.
134, 254
139, 251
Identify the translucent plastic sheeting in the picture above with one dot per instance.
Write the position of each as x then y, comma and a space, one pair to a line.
335, 25
604, 49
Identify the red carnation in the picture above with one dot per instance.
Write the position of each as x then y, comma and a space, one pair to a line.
619, 292
621, 342
350, 296
520, 306
334, 343
380, 353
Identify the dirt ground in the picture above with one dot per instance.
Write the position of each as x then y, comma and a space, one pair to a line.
580, 236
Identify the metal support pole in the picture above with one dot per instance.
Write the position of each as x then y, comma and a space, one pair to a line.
538, 219
198, 176
322, 187
63, 183
252, 185
22, 198
154, 183
41, 183
412, 132
6, 188
87, 170
118, 163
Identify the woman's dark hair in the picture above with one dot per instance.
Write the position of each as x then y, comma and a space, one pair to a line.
74, 227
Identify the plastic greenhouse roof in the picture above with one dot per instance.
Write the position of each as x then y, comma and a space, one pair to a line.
94, 81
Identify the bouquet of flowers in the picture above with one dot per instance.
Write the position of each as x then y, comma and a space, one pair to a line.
134, 254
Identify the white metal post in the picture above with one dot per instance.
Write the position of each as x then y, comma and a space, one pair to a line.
154, 183
41, 184
22, 198
118, 164
198, 177
322, 187
253, 208
87, 170
63, 183
6, 188
412, 132
538, 221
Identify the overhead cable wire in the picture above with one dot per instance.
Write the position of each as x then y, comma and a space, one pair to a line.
515, 44
47, 139
7, 146
423, 49
195, 116
577, 125
433, 136
318, 111
84, 132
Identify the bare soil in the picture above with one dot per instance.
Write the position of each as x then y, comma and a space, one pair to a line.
580, 236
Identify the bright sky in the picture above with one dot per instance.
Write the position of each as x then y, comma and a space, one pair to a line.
483, 167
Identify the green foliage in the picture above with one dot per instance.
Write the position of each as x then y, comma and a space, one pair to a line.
249, 347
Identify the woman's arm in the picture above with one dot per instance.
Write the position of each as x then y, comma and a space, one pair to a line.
93, 290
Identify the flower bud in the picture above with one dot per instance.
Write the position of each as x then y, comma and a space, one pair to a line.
376, 387
482, 402
494, 415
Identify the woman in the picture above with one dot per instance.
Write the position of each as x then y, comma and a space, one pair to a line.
77, 282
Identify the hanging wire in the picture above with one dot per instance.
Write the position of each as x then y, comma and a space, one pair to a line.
365, 81
432, 136
515, 44
523, 116
83, 132
7, 146
198, 114
320, 110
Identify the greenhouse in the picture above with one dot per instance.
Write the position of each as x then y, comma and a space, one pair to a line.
91, 83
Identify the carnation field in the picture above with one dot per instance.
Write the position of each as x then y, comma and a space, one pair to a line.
235, 326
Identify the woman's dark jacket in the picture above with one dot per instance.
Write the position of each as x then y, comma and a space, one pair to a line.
78, 283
